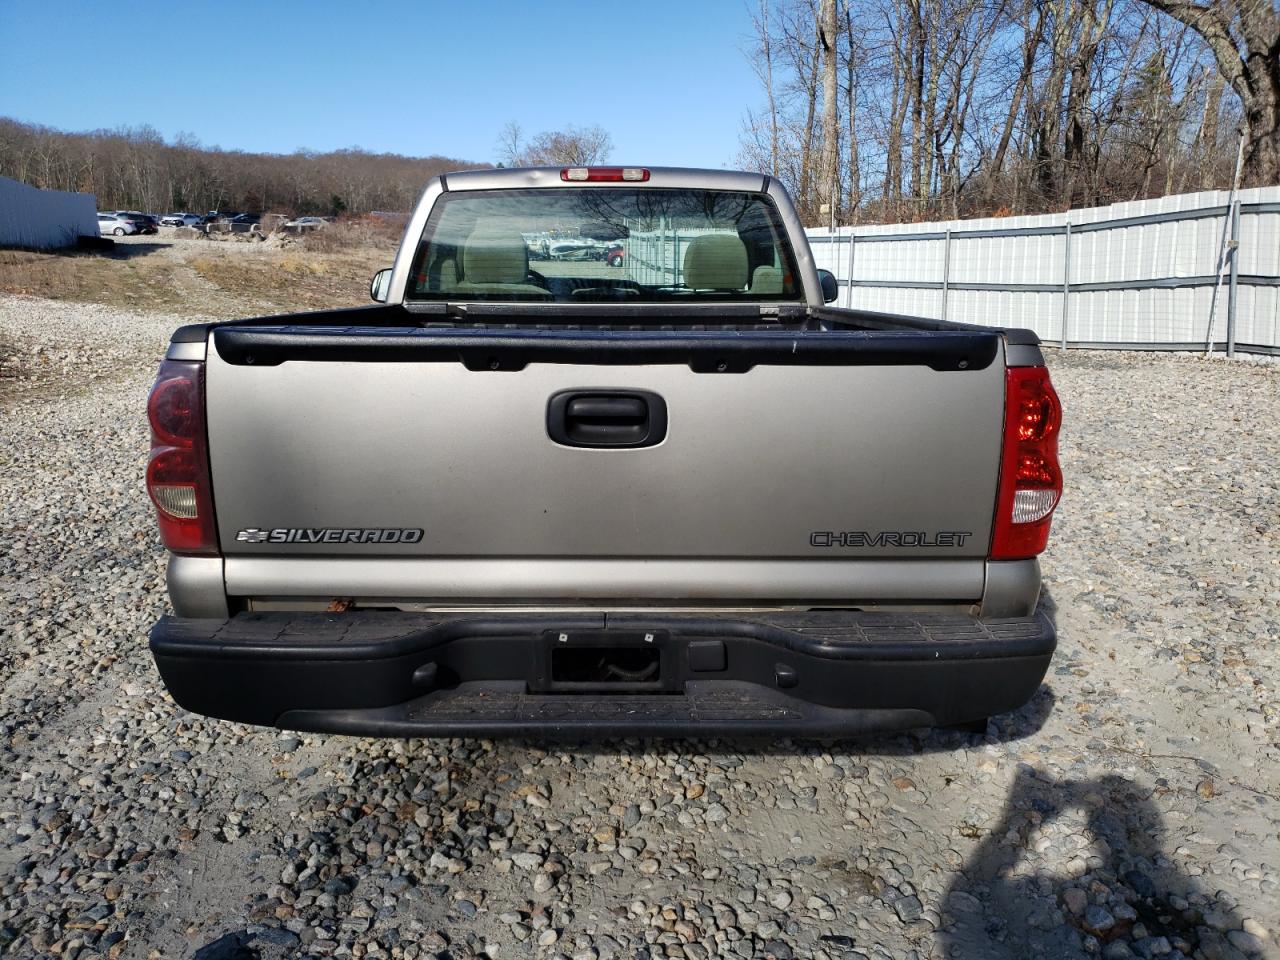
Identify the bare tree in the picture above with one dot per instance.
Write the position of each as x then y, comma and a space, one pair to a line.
510, 143
964, 107
1244, 36
761, 24
900, 104
812, 52
573, 146
829, 38
1207, 137
852, 57
1032, 37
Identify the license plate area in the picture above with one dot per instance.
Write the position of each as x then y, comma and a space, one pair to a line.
605, 661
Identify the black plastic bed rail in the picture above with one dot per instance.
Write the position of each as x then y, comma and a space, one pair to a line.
703, 351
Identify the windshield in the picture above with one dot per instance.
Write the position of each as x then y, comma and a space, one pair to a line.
604, 244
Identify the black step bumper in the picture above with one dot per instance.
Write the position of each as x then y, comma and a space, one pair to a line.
816, 674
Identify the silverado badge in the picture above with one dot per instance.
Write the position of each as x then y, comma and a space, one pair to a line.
328, 535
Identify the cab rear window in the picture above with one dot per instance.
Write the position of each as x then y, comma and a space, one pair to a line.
602, 245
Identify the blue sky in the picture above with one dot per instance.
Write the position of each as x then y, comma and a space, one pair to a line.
668, 80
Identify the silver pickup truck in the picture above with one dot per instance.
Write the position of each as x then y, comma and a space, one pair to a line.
658, 490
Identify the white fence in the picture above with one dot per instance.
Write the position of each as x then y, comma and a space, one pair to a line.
44, 219
657, 256
1131, 275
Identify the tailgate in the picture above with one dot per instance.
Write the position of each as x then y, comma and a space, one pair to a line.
806, 446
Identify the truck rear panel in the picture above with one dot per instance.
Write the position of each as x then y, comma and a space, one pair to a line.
813, 450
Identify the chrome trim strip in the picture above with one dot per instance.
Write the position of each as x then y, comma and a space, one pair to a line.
573, 580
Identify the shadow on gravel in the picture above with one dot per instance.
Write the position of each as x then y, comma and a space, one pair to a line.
131, 251
1006, 728
1014, 899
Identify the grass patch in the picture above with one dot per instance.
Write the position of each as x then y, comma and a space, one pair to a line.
135, 282
224, 279
289, 281
356, 234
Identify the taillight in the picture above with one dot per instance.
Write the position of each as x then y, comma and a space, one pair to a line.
604, 174
1030, 477
178, 470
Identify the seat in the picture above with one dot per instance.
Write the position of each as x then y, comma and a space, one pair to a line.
766, 280
717, 261
449, 275
441, 277
495, 262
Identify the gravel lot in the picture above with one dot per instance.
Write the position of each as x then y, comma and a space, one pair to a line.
1132, 809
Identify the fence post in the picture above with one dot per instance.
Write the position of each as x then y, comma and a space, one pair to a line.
946, 270
1066, 280
853, 244
1235, 272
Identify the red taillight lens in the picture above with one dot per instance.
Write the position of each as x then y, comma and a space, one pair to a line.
178, 470
1030, 477
172, 409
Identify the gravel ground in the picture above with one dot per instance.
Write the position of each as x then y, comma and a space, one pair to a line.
1132, 809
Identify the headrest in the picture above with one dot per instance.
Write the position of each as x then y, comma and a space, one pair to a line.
766, 279
717, 261
495, 255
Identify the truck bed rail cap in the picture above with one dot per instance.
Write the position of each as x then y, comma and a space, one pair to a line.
704, 352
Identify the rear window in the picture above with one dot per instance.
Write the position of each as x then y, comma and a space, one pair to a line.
604, 245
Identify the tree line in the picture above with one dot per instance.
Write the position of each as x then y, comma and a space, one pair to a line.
135, 169
903, 110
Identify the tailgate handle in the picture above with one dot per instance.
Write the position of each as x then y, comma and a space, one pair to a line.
608, 419
608, 411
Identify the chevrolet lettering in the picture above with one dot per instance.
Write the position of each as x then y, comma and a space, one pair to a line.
889, 538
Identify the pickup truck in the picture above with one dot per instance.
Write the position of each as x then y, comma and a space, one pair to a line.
682, 498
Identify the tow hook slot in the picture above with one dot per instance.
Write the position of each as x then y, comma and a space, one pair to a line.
605, 665
606, 662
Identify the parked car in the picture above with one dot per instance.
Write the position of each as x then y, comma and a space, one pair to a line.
538, 245
575, 250
762, 516
181, 220
244, 222
145, 222
116, 225
305, 223
614, 256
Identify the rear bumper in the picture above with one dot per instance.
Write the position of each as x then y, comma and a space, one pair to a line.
788, 674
